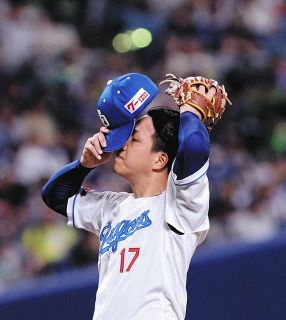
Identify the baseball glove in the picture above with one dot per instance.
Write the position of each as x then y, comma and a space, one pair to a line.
182, 90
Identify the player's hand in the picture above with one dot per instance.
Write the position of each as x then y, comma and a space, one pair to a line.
93, 155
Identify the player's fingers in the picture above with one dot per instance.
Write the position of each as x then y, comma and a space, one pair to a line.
102, 140
104, 130
101, 137
90, 147
95, 143
95, 140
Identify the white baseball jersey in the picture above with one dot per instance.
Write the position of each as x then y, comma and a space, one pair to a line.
142, 263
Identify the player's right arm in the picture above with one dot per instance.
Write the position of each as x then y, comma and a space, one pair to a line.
67, 181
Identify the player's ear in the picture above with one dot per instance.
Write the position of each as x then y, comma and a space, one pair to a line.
161, 161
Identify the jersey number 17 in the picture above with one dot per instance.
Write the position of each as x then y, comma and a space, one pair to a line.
123, 255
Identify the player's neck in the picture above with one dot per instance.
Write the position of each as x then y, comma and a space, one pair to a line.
149, 186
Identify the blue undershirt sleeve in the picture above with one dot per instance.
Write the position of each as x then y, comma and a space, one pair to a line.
64, 184
194, 146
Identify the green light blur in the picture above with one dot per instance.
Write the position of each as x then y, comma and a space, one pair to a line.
132, 40
141, 38
122, 42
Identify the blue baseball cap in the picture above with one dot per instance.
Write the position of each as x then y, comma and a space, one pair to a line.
120, 104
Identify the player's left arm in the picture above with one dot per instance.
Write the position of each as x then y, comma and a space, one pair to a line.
201, 102
187, 190
194, 144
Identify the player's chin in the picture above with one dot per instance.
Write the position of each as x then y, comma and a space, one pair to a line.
120, 169
117, 165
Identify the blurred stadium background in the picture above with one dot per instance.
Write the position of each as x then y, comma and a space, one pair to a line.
55, 58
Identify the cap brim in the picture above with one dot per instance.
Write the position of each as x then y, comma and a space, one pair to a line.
117, 137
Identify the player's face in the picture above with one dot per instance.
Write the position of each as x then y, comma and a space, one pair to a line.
136, 158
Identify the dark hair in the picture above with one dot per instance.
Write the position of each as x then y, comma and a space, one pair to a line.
166, 123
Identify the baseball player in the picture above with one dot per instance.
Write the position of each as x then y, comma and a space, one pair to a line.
147, 237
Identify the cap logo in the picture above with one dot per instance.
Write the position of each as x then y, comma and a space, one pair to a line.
137, 100
103, 119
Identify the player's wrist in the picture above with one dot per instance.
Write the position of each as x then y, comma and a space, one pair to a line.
86, 164
186, 107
